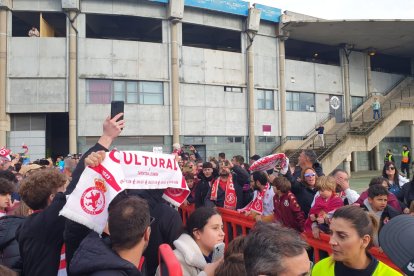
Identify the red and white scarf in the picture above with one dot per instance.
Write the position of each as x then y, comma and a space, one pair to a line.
230, 198
256, 205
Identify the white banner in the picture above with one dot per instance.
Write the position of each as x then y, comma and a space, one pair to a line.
97, 186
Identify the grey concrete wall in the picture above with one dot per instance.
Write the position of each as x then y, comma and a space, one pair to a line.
36, 95
124, 7
266, 62
37, 5
37, 75
43, 57
35, 140
357, 74
382, 82
313, 77
212, 67
106, 59
208, 110
213, 19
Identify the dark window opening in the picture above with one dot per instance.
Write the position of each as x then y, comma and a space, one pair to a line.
48, 24
123, 28
390, 64
211, 38
312, 52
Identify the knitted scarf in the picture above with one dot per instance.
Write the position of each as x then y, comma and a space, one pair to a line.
230, 198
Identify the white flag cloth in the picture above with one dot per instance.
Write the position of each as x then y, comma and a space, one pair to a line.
97, 186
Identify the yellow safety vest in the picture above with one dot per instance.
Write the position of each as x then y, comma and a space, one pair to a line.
326, 267
405, 156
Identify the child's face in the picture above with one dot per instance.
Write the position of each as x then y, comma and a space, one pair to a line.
325, 194
5, 201
190, 183
378, 203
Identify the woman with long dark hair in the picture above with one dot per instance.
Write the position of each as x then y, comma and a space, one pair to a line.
396, 180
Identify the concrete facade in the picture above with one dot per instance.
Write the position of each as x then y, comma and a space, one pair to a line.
37, 79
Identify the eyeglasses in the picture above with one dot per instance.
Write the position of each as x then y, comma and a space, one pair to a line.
391, 168
309, 174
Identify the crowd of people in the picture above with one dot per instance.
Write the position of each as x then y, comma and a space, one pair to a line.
36, 240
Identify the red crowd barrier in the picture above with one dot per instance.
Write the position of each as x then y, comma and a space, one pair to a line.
240, 224
169, 265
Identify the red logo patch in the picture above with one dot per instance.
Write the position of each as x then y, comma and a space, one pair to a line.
93, 201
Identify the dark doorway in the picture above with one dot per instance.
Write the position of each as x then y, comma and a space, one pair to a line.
57, 134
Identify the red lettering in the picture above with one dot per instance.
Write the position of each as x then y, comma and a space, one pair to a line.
146, 160
127, 162
154, 164
162, 163
175, 165
136, 160
113, 158
169, 165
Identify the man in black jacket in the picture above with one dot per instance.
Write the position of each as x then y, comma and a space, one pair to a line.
129, 226
206, 177
239, 177
41, 235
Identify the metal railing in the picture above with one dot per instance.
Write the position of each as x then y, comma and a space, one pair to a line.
323, 121
363, 114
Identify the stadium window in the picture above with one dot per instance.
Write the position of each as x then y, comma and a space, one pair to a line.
233, 89
265, 99
356, 102
122, 27
48, 24
300, 101
266, 139
235, 139
211, 38
131, 92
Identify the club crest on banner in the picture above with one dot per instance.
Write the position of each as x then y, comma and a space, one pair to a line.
93, 198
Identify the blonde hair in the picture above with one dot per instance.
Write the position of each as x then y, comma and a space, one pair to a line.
326, 183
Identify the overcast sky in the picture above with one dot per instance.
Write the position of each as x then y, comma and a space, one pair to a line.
347, 9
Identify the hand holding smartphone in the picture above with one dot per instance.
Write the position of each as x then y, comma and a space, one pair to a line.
218, 251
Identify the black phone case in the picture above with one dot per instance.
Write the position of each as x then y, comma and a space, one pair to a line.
116, 108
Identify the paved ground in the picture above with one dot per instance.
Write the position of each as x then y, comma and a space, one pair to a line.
359, 180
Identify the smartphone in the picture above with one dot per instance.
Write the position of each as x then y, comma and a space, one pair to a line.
218, 251
116, 108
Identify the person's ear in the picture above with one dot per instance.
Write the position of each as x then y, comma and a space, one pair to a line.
366, 239
196, 234
50, 199
147, 234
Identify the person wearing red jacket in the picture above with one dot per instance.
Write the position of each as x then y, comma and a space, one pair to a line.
325, 204
286, 208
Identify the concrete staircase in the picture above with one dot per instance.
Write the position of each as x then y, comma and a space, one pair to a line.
362, 133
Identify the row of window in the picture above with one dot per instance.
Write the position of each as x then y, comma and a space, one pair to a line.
152, 93
132, 92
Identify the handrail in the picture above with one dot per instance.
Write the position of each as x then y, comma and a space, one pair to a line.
362, 108
322, 121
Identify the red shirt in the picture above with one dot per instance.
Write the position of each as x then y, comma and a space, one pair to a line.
288, 211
